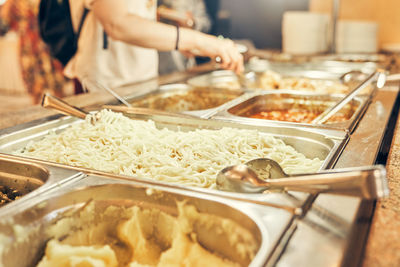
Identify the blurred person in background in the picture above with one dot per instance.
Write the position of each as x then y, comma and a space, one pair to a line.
185, 13
39, 71
213, 7
132, 38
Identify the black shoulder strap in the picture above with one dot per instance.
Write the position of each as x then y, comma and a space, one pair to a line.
105, 40
105, 37
85, 12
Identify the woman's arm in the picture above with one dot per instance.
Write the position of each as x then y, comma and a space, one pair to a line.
129, 28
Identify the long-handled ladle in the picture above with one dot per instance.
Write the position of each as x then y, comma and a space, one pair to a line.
365, 182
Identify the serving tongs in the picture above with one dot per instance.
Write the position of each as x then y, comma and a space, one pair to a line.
380, 77
52, 102
147, 111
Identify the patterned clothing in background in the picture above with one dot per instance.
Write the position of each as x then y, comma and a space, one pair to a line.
40, 72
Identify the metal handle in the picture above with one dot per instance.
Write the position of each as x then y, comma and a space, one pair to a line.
393, 77
90, 83
323, 117
147, 111
365, 182
52, 102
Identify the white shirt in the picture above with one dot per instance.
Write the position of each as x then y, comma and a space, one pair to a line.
120, 63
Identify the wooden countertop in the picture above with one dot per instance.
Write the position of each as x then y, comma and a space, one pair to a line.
383, 246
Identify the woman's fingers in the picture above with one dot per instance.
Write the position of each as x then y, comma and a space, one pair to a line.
240, 66
216, 48
226, 58
233, 59
239, 63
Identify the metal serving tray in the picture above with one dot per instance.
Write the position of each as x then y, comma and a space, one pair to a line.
242, 108
350, 58
24, 234
184, 98
335, 68
30, 179
302, 80
216, 79
325, 144
320, 69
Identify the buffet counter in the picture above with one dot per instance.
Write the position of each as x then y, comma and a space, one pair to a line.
381, 248
384, 238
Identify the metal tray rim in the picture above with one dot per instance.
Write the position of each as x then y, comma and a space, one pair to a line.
337, 140
223, 113
57, 178
261, 256
201, 113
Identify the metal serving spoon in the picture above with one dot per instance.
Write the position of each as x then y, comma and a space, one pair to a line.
366, 182
267, 168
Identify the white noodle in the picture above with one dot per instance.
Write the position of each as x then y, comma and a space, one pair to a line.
120, 145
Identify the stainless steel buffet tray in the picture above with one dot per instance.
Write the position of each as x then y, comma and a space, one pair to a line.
344, 244
325, 144
319, 69
228, 79
242, 108
317, 240
317, 81
184, 98
203, 94
31, 179
350, 58
23, 231
216, 79
335, 68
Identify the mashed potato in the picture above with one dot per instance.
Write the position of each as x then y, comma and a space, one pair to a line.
135, 236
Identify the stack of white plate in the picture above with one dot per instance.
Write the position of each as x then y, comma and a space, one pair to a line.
305, 33
356, 36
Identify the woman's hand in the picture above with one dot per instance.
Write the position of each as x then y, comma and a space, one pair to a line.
200, 44
117, 22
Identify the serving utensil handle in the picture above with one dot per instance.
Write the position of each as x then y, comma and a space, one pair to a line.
52, 102
364, 182
328, 113
147, 111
